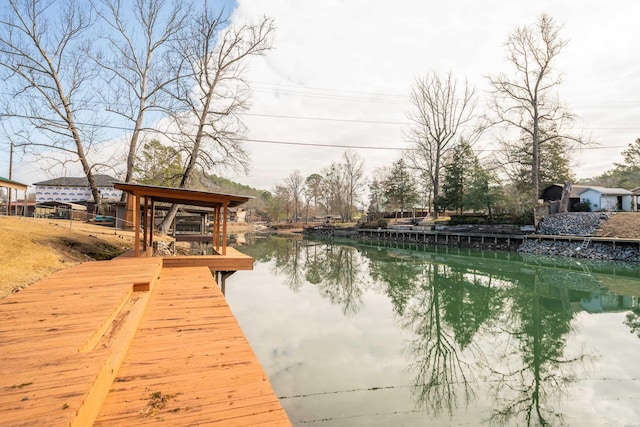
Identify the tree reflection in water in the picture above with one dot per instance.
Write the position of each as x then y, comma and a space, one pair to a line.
535, 372
440, 368
338, 271
475, 322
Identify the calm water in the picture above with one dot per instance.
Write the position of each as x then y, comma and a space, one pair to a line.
388, 336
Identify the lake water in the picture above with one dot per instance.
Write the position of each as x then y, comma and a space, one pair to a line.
355, 335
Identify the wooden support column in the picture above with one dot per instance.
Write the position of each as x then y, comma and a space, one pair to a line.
224, 227
145, 223
216, 228
136, 223
213, 230
152, 222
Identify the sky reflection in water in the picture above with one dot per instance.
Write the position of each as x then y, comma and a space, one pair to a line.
377, 336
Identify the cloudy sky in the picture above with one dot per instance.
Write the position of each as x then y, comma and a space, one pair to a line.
340, 74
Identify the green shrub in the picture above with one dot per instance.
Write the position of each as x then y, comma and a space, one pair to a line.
583, 206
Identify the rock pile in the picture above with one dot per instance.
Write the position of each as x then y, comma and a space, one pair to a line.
578, 224
572, 223
597, 251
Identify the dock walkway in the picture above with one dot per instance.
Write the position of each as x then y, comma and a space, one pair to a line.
129, 342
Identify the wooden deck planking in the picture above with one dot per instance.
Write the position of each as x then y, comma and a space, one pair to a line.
44, 377
65, 338
190, 347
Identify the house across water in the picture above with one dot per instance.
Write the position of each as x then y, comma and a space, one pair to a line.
598, 198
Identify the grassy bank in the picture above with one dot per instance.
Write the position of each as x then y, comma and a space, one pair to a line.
31, 248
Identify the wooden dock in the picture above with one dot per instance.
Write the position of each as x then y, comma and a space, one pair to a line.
129, 342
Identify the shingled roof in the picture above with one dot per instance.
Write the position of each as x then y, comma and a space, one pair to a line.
101, 181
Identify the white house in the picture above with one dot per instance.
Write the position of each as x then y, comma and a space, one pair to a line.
70, 189
607, 199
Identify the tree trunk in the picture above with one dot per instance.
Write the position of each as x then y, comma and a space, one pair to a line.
566, 195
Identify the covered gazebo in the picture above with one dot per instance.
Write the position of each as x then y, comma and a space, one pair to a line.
144, 197
14, 185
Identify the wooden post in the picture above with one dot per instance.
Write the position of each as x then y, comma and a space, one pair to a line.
10, 178
145, 221
153, 220
217, 229
224, 227
136, 223
214, 230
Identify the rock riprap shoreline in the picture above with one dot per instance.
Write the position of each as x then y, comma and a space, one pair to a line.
578, 224
572, 223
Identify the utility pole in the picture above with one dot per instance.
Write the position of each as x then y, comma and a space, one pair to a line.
10, 172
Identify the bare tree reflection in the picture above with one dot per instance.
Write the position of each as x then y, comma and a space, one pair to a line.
444, 376
527, 389
289, 263
338, 271
342, 277
398, 274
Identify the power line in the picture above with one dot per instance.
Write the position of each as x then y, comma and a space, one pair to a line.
371, 147
327, 119
403, 96
317, 144
392, 95
385, 122
333, 97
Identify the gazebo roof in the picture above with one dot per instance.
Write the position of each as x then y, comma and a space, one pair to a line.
183, 196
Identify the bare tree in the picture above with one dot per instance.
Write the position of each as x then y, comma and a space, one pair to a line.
313, 191
135, 71
354, 171
49, 78
525, 100
442, 115
281, 202
295, 184
336, 190
377, 199
211, 91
